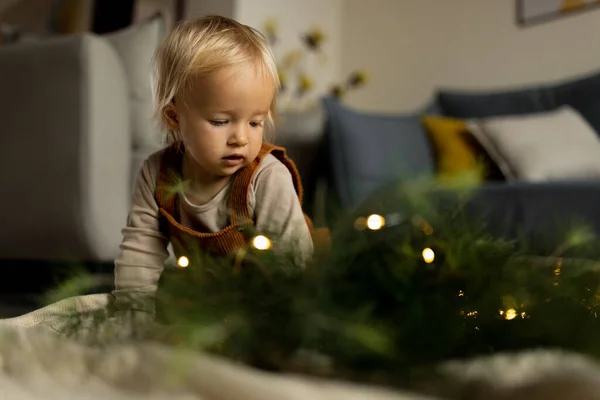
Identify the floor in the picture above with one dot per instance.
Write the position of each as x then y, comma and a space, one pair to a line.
14, 306
37, 278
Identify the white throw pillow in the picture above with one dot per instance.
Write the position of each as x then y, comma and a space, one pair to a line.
554, 145
136, 45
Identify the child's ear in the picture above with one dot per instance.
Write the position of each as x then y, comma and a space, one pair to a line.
171, 118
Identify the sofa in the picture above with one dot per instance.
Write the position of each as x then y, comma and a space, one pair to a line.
539, 146
78, 124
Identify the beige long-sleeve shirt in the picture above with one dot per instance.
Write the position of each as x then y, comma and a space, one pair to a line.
143, 252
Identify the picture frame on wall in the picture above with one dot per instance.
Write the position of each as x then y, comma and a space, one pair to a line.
531, 12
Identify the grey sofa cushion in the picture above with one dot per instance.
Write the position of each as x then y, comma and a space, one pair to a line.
480, 104
581, 93
368, 151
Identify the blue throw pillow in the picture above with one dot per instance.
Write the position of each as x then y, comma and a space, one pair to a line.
369, 150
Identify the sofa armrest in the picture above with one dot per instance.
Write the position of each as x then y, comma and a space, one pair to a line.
65, 150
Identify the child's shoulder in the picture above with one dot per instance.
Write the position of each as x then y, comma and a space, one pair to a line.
151, 165
271, 164
156, 157
271, 169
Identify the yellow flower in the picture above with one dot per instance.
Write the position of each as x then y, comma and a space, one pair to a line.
314, 38
291, 58
306, 83
358, 78
271, 28
337, 91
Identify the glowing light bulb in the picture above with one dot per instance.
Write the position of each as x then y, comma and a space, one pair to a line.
261, 242
511, 313
375, 222
183, 262
428, 255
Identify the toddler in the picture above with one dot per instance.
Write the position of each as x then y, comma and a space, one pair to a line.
216, 83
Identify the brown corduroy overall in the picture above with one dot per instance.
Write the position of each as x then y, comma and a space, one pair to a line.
233, 237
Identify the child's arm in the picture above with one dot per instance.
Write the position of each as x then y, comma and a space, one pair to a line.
144, 248
278, 212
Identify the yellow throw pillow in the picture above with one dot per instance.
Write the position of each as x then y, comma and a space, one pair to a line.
456, 152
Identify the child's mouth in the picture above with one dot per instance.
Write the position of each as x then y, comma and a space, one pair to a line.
233, 159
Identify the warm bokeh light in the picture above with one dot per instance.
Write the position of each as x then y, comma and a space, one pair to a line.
261, 242
375, 222
511, 313
428, 255
183, 262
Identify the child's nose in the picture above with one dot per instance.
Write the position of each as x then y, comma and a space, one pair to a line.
239, 137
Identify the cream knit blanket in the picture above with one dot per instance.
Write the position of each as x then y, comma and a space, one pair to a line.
37, 364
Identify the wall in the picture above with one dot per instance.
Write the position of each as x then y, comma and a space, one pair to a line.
410, 47
145, 9
198, 8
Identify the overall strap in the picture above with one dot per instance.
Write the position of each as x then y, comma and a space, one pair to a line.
281, 154
240, 190
239, 208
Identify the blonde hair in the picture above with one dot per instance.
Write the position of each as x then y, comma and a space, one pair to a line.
200, 47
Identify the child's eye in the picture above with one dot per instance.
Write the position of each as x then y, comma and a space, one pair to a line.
218, 122
256, 124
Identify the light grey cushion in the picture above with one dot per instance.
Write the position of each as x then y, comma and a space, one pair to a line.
544, 146
136, 45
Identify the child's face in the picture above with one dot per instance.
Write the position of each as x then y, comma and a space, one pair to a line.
222, 120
